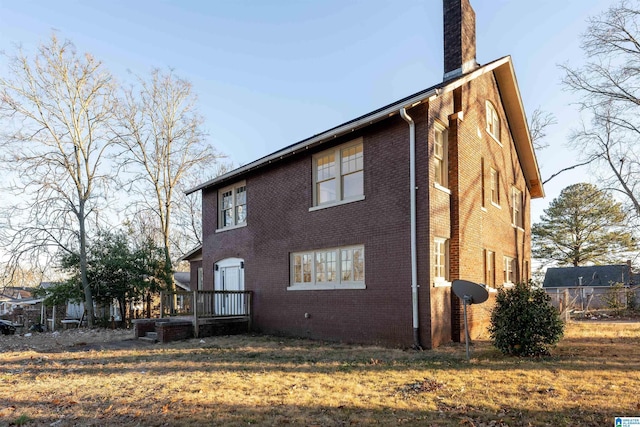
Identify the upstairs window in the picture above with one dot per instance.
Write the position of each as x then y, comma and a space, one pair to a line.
338, 174
233, 206
495, 187
440, 156
493, 121
517, 215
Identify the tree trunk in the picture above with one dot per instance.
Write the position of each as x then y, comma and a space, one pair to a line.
88, 296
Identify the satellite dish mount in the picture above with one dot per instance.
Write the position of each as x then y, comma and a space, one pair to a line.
469, 293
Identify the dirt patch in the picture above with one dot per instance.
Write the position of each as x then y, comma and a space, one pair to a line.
70, 340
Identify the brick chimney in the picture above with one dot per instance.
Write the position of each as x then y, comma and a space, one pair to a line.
459, 38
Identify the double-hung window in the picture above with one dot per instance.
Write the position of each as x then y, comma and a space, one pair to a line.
440, 156
509, 270
233, 206
495, 187
490, 268
493, 121
338, 174
440, 261
517, 215
336, 268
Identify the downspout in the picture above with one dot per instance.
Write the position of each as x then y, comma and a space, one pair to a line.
414, 256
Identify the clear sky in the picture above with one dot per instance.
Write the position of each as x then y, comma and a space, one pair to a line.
270, 73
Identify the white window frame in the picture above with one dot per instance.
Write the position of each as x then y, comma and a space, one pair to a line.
494, 187
200, 284
221, 211
489, 268
340, 262
493, 121
338, 177
441, 262
517, 213
509, 271
441, 156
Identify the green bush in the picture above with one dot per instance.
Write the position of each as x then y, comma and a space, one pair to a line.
524, 322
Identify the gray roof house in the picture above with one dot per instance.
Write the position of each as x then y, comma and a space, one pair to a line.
591, 276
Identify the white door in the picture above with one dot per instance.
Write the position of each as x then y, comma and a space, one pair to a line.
229, 277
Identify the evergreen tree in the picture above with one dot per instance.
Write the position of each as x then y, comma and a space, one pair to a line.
584, 225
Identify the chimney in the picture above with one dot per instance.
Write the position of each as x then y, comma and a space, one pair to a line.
459, 38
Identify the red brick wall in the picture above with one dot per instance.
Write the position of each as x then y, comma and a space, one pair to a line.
279, 222
475, 228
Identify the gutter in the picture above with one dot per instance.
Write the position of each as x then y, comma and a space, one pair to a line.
414, 256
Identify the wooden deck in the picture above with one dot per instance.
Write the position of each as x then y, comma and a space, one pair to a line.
207, 309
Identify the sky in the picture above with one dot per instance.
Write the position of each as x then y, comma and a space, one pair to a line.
271, 73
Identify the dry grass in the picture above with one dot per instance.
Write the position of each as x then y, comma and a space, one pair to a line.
262, 380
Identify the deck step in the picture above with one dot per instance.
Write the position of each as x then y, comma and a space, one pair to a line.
150, 337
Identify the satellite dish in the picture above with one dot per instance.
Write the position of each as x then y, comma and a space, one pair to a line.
472, 293
469, 293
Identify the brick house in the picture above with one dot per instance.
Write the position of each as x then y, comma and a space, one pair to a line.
356, 234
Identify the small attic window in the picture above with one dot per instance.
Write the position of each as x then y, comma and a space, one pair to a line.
493, 121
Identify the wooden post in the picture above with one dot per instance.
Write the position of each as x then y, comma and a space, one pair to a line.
161, 304
196, 331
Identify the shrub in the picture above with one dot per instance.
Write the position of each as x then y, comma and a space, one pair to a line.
524, 322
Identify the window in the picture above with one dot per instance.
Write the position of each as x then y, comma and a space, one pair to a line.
338, 174
482, 183
490, 268
200, 278
440, 156
517, 215
509, 270
493, 121
337, 268
233, 206
495, 187
440, 261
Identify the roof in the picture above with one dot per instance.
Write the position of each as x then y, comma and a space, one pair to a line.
511, 99
194, 255
182, 280
594, 275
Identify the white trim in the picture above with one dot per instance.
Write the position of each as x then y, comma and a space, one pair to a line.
337, 203
325, 285
494, 120
441, 188
441, 283
232, 227
233, 188
440, 280
338, 175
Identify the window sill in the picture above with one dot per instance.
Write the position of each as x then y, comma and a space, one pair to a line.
483, 209
518, 227
494, 138
326, 287
495, 205
441, 284
338, 203
220, 230
441, 188
508, 285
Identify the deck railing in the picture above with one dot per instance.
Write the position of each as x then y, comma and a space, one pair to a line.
200, 304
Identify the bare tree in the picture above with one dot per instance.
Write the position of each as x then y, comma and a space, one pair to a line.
57, 108
609, 85
162, 131
538, 126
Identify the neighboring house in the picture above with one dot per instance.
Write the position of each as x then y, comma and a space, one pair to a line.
589, 287
11, 298
355, 234
590, 276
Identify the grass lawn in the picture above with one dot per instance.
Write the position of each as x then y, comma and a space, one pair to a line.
591, 377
